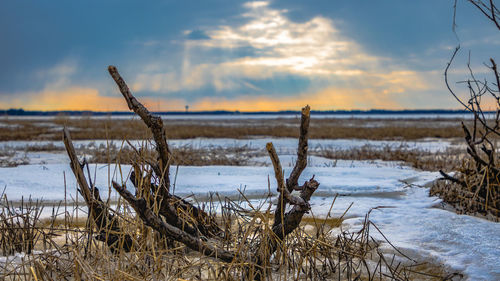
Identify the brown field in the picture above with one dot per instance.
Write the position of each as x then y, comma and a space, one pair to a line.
85, 128
107, 128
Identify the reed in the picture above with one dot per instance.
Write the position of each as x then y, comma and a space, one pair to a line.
62, 248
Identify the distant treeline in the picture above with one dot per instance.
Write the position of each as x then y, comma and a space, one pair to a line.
22, 112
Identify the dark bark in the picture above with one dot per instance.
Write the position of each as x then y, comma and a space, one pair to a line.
154, 123
300, 165
167, 230
107, 225
284, 224
450, 178
168, 204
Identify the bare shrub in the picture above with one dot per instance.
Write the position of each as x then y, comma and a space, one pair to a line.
475, 188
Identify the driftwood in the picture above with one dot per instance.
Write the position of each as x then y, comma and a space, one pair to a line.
175, 228
284, 224
168, 204
107, 226
287, 222
170, 231
155, 124
176, 219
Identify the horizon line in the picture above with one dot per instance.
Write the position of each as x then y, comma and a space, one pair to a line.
20, 111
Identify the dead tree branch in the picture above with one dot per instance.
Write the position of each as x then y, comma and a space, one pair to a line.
179, 220
489, 10
169, 231
475, 187
284, 224
174, 227
169, 205
154, 123
300, 165
284, 193
107, 225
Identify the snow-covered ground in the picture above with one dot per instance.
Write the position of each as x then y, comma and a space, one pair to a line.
283, 145
405, 213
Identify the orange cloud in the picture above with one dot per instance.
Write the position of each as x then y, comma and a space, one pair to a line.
77, 98
328, 99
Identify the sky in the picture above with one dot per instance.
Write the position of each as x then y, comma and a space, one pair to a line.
239, 55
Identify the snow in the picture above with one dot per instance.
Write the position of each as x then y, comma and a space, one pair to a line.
282, 145
42, 157
12, 126
47, 180
318, 161
403, 212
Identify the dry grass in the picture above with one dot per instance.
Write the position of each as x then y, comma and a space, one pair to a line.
476, 193
90, 128
185, 155
66, 250
447, 160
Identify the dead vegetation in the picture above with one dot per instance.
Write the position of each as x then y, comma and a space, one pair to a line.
448, 160
184, 155
475, 188
17, 226
84, 128
64, 247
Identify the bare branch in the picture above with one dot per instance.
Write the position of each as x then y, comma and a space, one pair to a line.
169, 231
450, 178
154, 123
106, 223
278, 172
490, 11
448, 65
301, 163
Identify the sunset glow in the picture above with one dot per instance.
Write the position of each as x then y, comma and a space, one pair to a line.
253, 56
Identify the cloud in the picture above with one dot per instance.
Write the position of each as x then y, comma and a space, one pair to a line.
60, 93
78, 98
314, 49
309, 48
71, 98
196, 35
266, 61
326, 99
256, 4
